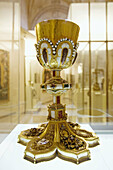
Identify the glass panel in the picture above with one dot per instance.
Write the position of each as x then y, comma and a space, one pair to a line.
98, 80
79, 73
16, 21
30, 47
110, 78
36, 99
98, 21
83, 81
14, 79
98, 59
32, 74
6, 20
78, 13
32, 82
110, 21
9, 69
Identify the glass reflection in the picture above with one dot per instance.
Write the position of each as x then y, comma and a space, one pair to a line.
98, 79
81, 88
110, 80
9, 66
93, 74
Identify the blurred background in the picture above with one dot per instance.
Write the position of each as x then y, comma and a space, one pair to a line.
91, 98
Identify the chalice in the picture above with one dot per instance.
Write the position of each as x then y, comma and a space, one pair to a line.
57, 50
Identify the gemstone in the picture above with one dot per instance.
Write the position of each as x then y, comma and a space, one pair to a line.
42, 86
66, 85
44, 52
53, 86
65, 52
72, 137
60, 114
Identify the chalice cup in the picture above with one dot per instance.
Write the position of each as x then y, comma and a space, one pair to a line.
57, 50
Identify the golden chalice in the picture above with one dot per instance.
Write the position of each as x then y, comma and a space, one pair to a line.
56, 50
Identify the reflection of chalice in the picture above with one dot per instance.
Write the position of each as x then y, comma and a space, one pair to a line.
56, 50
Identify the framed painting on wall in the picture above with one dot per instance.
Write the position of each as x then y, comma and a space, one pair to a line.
4, 75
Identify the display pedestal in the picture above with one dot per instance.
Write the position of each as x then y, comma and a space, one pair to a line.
12, 153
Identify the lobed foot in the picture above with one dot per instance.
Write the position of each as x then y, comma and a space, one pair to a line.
58, 138
25, 136
42, 149
91, 138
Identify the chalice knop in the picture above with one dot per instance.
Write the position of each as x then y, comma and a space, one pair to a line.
56, 50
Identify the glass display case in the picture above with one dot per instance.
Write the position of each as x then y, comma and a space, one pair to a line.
89, 101
9, 65
94, 62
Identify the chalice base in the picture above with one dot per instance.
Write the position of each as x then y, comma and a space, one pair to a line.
58, 138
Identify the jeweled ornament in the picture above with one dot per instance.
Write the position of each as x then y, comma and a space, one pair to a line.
56, 50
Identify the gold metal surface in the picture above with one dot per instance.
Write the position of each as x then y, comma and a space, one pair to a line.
57, 29
58, 137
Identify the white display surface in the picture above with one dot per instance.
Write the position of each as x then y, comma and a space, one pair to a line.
11, 154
